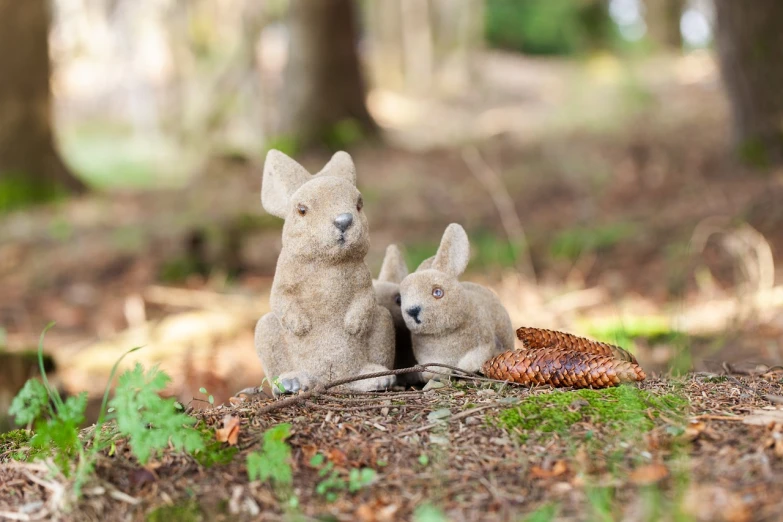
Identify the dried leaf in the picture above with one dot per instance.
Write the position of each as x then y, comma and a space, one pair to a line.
230, 430
649, 474
236, 401
309, 451
559, 468
694, 429
337, 457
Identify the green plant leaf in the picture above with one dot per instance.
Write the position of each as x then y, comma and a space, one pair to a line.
149, 421
29, 403
273, 462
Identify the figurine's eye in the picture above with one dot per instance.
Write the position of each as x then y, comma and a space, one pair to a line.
437, 292
398, 299
360, 204
302, 209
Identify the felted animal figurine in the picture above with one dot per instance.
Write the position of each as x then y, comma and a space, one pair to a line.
387, 291
325, 322
454, 323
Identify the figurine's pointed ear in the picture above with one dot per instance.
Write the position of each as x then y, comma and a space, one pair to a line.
341, 166
454, 251
282, 176
394, 268
426, 264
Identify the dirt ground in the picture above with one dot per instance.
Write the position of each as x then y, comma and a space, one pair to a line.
673, 449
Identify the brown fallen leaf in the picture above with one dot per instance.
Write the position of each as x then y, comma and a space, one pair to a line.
377, 511
230, 430
559, 468
337, 457
309, 451
694, 429
649, 474
236, 401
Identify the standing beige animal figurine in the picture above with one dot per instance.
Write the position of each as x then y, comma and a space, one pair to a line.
454, 323
325, 322
387, 291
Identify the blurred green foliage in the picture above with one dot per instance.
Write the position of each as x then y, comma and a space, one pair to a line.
573, 242
18, 191
549, 27
488, 250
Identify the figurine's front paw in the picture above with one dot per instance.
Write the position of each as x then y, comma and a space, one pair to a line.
358, 323
297, 324
292, 382
376, 383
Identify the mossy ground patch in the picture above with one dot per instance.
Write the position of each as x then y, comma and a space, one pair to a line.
626, 410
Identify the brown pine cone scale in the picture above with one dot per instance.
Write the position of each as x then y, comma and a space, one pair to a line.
535, 338
562, 367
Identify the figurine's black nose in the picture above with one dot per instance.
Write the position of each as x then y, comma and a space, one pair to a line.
414, 311
343, 221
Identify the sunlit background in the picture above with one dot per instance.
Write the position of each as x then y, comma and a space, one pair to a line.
586, 146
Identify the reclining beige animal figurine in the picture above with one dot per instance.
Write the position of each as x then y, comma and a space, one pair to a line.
387, 291
325, 322
454, 323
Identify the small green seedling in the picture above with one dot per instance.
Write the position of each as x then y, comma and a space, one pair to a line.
332, 483
210, 398
273, 462
149, 421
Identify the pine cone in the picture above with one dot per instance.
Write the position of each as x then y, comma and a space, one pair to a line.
535, 338
561, 367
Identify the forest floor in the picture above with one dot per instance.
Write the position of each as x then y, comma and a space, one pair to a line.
702, 447
640, 228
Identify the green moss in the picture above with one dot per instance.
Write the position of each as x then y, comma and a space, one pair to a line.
624, 409
188, 511
16, 444
14, 440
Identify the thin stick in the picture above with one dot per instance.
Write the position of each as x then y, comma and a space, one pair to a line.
719, 417
503, 202
320, 388
461, 415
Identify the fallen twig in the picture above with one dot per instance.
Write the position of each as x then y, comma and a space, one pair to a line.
461, 415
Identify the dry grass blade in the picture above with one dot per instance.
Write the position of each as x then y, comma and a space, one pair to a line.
559, 367
535, 338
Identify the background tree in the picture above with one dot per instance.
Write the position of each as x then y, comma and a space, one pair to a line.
30, 167
663, 21
750, 47
325, 91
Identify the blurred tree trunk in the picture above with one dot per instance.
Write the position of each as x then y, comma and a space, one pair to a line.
750, 46
324, 84
596, 23
663, 20
30, 167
